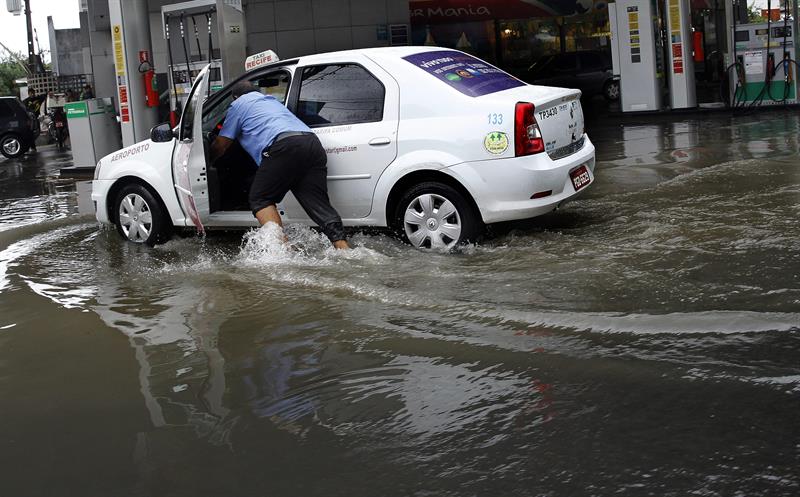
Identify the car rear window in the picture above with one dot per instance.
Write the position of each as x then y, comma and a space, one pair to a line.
332, 95
591, 61
7, 108
463, 72
567, 62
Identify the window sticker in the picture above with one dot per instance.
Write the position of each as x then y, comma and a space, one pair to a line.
496, 142
463, 72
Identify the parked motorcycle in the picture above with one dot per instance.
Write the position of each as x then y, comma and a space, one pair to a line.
57, 126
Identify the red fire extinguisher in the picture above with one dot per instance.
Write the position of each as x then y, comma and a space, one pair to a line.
149, 77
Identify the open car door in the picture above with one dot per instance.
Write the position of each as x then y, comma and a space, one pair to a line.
189, 156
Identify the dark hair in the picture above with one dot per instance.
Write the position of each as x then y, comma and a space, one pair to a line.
242, 87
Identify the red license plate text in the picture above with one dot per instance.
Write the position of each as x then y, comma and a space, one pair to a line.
580, 177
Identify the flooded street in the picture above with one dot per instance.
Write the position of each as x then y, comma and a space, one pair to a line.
644, 340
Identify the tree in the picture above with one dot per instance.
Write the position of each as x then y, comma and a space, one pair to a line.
10, 70
754, 14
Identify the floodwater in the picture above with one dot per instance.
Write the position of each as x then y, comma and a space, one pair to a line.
644, 340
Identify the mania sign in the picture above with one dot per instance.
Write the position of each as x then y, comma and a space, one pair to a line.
442, 11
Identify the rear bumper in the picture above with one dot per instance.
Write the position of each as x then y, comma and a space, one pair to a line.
502, 188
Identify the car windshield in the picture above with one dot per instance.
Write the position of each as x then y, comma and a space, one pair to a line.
463, 72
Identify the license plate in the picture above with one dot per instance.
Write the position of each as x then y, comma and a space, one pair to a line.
580, 177
59, 125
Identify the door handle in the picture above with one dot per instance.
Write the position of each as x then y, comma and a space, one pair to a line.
376, 142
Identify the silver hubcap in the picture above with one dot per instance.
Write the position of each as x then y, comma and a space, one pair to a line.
11, 146
135, 218
613, 90
432, 221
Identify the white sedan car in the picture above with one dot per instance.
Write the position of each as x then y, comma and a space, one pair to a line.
431, 142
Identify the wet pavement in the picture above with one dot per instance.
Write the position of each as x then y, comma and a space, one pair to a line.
644, 340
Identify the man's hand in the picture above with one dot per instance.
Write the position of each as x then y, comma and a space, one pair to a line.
219, 146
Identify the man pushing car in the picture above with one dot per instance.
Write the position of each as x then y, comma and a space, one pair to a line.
289, 158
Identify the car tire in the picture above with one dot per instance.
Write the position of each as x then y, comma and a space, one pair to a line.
140, 217
12, 146
611, 91
433, 215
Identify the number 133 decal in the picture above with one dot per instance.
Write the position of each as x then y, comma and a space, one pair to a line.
495, 118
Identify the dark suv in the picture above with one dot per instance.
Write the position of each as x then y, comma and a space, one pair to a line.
16, 128
589, 71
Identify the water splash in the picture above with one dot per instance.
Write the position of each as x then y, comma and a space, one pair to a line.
302, 246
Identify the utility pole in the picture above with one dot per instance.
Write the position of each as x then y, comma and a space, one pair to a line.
31, 53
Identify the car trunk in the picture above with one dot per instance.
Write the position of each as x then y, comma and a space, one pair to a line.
559, 115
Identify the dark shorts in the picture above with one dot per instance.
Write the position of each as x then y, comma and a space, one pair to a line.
297, 164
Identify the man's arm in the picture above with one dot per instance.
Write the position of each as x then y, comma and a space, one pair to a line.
228, 133
219, 146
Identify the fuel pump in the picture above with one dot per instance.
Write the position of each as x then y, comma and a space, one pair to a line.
184, 65
636, 54
764, 68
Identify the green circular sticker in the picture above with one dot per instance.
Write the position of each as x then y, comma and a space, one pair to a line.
452, 77
496, 142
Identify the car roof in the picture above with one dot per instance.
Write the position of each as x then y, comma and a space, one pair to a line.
394, 52
391, 51
397, 52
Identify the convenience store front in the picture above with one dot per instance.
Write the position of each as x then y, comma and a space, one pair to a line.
511, 33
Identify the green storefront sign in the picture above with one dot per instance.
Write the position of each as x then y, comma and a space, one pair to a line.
76, 109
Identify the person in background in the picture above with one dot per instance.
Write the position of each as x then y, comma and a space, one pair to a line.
33, 103
87, 92
289, 155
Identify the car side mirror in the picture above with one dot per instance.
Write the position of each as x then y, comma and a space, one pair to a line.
162, 133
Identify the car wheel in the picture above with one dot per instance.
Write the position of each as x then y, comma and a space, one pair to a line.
11, 146
611, 91
139, 216
433, 215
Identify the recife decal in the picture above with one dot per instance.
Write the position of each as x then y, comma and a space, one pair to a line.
496, 142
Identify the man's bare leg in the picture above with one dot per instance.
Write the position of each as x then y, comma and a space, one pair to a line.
270, 214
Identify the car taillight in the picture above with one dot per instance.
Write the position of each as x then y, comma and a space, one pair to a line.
527, 135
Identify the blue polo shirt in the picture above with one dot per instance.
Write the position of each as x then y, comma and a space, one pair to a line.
256, 120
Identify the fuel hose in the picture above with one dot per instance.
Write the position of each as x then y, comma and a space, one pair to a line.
210, 48
733, 98
197, 39
174, 105
186, 54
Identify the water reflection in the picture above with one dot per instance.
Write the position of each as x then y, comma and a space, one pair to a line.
31, 190
641, 154
612, 345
